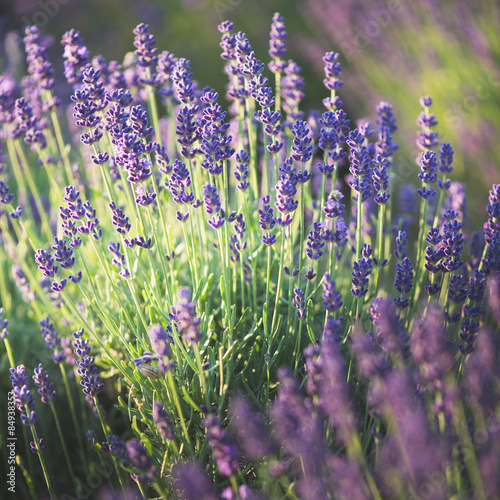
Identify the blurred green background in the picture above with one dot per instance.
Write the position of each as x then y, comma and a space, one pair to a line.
394, 50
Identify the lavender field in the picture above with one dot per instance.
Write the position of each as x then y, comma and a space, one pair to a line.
231, 294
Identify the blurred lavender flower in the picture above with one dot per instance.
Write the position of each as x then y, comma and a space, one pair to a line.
4, 323
389, 332
224, 450
249, 429
163, 421
491, 260
22, 283
52, 341
184, 316
277, 44
139, 458
416, 454
75, 56
298, 430
426, 138
191, 482
39, 65
429, 347
292, 86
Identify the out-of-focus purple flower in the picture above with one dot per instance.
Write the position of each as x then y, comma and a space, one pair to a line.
408, 460
429, 347
22, 395
389, 332
491, 260
22, 284
187, 323
52, 341
249, 430
292, 86
426, 138
332, 80
139, 458
45, 386
297, 429
493, 296
224, 451
191, 482
39, 64
163, 421
75, 57
118, 449
4, 323
277, 44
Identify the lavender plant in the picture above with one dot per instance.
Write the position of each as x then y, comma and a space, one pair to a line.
238, 331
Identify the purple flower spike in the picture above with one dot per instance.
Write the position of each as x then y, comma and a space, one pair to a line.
186, 321
299, 302
163, 421
90, 382
4, 323
22, 395
277, 44
224, 450
332, 298
140, 459
75, 57
45, 387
